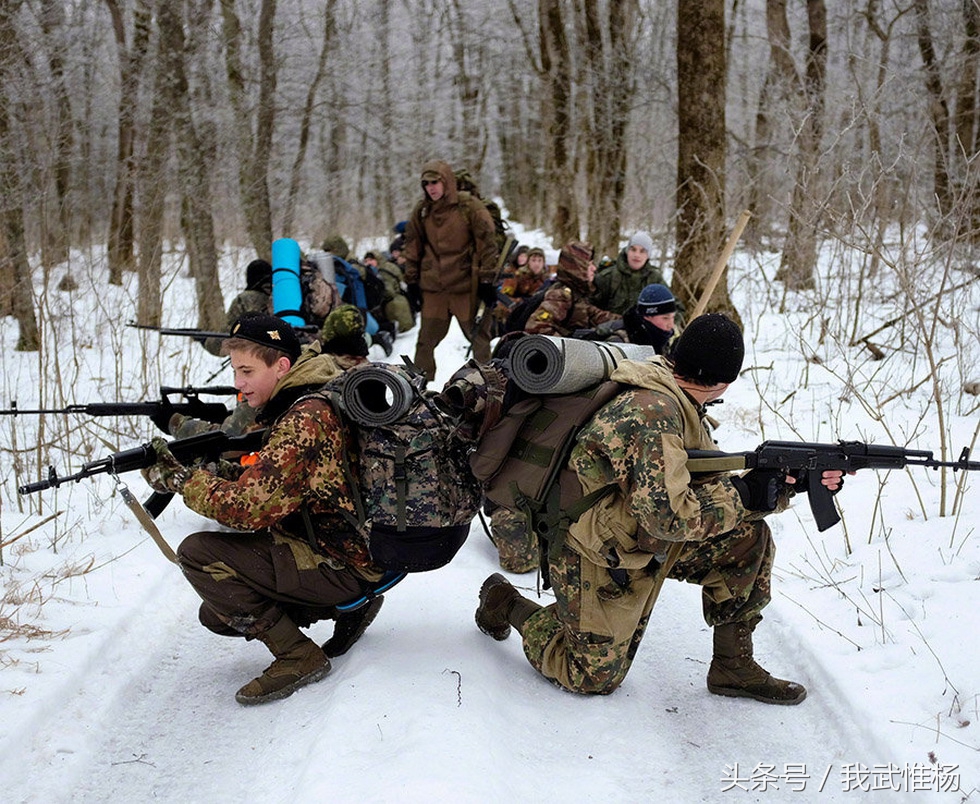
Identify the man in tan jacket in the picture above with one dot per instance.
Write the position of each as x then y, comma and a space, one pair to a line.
450, 264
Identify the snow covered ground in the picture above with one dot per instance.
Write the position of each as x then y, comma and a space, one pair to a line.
110, 691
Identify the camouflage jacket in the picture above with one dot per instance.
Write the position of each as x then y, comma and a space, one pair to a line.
523, 283
300, 465
565, 307
637, 442
248, 301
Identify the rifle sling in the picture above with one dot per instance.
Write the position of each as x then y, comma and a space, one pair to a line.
144, 518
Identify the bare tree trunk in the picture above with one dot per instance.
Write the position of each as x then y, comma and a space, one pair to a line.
253, 159
781, 80
612, 85
556, 59
56, 236
799, 257
193, 159
967, 148
296, 173
153, 173
121, 239
468, 53
701, 91
14, 267
938, 109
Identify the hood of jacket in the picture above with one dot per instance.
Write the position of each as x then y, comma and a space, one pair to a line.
450, 193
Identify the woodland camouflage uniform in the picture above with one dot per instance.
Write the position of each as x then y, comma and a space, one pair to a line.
604, 577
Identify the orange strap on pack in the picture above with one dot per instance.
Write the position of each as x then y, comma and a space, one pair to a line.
249, 459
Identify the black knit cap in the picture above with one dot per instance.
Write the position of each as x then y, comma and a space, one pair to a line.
710, 350
258, 274
267, 330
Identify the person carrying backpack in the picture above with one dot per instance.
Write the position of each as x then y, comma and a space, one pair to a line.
656, 521
450, 264
292, 553
565, 306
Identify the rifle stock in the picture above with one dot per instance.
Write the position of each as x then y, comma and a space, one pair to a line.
801, 457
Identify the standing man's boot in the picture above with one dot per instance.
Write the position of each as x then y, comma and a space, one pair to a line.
502, 606
299, 661
349, 627
734, 672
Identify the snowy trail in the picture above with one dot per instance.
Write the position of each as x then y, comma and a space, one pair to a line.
425, 707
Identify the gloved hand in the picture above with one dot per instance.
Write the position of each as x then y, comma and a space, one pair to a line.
759, 489
414, 294
161, 417
167, 474
608, 328
226, 470
487, 294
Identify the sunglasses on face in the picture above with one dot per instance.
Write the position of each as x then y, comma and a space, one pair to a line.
427, 182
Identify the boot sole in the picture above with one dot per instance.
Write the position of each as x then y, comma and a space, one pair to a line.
733, 692
285, 692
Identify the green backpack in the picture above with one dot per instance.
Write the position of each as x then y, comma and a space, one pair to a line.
522, 462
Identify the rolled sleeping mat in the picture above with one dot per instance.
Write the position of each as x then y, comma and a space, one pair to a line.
324, 261
287, 296
546, 364
374, 396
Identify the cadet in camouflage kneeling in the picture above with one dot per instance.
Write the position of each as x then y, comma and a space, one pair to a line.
293, 555
657, 521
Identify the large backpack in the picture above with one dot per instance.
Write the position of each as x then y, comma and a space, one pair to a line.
522, 461
416, 493
319, 297
353, 291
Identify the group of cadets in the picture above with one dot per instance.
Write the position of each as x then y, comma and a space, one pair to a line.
299, 558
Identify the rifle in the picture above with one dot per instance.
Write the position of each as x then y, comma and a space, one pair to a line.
203, 446
214, 412
509, 245
813, 459
201, 335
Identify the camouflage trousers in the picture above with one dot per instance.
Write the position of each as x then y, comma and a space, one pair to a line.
517, 547
586, 640
438, 310
249, 580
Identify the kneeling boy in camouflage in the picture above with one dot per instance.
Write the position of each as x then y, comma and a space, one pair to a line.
295, 555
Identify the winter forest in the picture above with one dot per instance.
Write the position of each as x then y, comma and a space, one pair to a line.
149, 149
142, 126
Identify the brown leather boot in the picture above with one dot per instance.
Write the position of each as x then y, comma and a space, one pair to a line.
299, 661
502, 606
734, 672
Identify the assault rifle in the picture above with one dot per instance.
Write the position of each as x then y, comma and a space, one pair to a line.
201, 335
798, 457
207, 446
214, 412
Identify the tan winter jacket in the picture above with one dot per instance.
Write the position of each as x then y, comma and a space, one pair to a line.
638, 443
